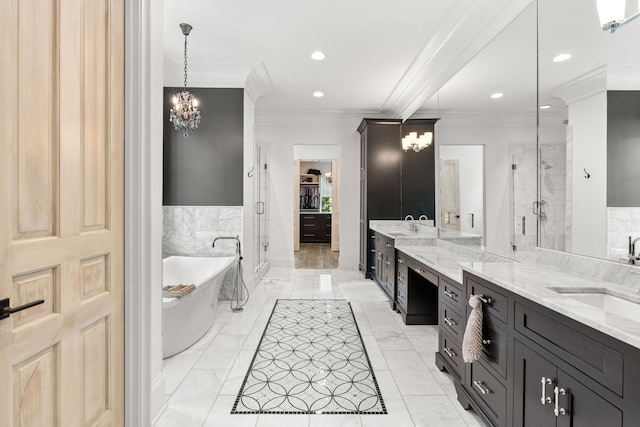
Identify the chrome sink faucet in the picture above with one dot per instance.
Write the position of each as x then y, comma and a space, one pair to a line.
632, 249
412, 227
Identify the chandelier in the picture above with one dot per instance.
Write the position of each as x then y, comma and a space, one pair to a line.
415, 142
185, 115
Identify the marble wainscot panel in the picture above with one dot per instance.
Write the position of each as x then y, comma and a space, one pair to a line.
190, 231
536, 281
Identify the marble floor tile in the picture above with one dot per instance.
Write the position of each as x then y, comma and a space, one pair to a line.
203, 381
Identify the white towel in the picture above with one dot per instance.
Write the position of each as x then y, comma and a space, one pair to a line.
472, 340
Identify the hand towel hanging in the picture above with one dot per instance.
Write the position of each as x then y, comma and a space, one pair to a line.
472, 340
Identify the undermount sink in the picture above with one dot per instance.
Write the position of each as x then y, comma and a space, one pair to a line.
627, 306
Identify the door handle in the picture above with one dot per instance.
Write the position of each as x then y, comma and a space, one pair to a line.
6, 310
260, 208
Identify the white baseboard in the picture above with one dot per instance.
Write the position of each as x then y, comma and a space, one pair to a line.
158, 397
348, 263
282, 263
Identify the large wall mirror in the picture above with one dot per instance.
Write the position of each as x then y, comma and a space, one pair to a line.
486, 141
589, 133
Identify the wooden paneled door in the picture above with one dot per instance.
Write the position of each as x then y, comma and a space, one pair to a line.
61, 212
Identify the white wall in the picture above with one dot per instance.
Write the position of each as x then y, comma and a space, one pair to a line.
588, 121
279, 134
496, 137
249, 237
471, 183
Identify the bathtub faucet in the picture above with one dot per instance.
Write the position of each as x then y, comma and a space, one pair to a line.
236, 238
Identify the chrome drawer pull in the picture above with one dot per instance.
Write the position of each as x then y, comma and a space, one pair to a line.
544, 399
486, 342
400, 261
450, 294
387, 263
401, 297
483, 299
373, 250
483, 390
387, 245
449, 321
557, 392
449, 352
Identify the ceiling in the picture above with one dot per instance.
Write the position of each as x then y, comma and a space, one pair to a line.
380, 59
508, 63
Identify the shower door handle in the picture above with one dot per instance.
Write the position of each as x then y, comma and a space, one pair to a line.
260, 208
536, 208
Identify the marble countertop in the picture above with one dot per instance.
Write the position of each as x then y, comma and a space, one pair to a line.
529, 278
536, 281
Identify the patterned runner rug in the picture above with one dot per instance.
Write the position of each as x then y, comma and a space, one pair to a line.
310, 360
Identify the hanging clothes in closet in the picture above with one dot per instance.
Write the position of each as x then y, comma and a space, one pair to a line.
309, 197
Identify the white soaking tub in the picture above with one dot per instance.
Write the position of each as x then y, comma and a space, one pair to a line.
186, 319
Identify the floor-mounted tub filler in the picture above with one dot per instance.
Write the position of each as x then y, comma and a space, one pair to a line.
185, 320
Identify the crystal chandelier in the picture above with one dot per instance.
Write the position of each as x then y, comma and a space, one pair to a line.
415, 142
185, 115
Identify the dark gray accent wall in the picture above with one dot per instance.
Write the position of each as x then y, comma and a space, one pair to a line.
623, 148
205, 169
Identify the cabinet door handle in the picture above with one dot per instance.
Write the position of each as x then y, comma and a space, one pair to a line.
401, 297
400, 277
480, 386
544, 399
449, 352
558, 392
387, 263
449, 321
483, 299
400, 261
450, 294
387, 245
486, 342
373, 250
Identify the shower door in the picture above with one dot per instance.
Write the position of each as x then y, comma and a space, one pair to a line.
261, 210
523, 195
552, 183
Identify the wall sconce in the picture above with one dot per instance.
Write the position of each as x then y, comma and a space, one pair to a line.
611, 13
328, 177
415, 142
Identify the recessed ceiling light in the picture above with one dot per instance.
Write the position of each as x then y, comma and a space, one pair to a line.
318, 94
497, 95
318, 56
562, 57
545, 107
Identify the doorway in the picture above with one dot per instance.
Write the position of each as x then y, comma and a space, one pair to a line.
316, 207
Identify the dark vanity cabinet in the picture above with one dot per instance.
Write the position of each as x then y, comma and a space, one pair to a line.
393, 183
383, 267
538, 367
380, 168
315, 228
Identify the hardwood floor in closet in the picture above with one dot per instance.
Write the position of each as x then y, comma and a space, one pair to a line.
316, 255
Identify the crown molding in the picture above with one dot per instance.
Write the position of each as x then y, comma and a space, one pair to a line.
479, 119
599, 80
456, 42
250, 75
288, 118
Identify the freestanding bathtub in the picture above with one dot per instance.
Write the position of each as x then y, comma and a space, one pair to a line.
185, 320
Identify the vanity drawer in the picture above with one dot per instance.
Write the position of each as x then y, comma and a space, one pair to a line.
498, 303
494, 347
401, 264
489, 392
451, 351
453, 293
452, 322
401, 281
586, 352
401, 298
421, 270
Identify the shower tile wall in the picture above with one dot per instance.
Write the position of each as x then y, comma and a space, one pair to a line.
190, 230
621, 223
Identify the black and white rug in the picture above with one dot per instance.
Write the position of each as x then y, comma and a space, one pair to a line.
310, 360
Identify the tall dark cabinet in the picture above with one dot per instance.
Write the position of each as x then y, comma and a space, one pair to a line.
393, 183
